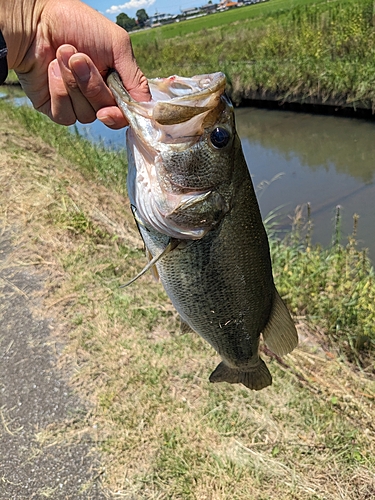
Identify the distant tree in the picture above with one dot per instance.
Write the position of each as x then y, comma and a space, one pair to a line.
142, 17
126, 22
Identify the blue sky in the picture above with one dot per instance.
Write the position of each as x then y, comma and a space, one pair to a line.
112, 8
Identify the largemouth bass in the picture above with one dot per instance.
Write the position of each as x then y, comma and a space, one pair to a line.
195, 206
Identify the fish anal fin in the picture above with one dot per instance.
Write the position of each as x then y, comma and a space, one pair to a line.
257, 378
185, 327
280, 334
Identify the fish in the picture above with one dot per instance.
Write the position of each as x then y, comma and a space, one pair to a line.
195, 206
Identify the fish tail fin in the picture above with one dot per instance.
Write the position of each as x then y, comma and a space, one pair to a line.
256, 379
280, 334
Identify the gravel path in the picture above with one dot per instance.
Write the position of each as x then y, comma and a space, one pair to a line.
33, 396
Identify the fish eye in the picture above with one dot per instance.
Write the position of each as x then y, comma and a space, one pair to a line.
219, 137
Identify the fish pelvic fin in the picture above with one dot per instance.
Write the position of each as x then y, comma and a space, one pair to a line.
256, 379
154, 269
173, 243
280, 334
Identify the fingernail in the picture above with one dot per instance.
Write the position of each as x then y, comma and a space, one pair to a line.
80, 68
107, 120
65, 53
55, 68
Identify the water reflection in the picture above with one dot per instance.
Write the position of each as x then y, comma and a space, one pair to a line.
325, 160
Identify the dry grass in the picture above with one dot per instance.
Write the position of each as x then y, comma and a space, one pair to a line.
163, 430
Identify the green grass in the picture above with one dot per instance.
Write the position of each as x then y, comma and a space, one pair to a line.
12, 78
287, 50
106, 165
183, 28
333, 287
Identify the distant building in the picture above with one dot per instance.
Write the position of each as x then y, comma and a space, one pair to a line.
190, 12
209, 8
157, 19
226, 4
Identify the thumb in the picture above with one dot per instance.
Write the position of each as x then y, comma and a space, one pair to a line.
138, 88
131, 75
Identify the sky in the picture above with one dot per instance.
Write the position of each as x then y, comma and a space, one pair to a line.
112, 8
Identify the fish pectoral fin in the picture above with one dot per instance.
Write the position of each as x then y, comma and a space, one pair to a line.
173, 243
280, 334
256, 379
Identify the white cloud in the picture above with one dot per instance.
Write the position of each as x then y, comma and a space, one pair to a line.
132, 4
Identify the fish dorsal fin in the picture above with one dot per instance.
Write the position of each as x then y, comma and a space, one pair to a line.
173, 243
280, 334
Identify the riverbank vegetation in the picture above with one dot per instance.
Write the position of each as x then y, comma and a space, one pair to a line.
305, 51
163, 430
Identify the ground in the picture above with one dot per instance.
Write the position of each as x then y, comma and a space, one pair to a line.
35, 395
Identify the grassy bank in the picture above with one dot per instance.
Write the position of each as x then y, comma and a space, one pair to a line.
98, 162
281, 49
163, 430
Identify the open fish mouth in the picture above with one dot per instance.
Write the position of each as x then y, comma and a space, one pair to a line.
177, 110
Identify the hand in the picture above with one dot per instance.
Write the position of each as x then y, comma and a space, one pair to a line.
62, 64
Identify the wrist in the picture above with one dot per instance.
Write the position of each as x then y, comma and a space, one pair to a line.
18, 23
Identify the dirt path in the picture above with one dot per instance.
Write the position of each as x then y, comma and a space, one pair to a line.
34, 395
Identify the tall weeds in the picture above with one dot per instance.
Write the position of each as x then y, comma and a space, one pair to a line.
333, 287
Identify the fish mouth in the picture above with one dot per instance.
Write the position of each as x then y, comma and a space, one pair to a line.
177, 112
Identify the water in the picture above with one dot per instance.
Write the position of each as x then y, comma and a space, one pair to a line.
324, 160
297, 158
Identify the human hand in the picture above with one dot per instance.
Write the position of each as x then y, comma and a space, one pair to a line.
65, 51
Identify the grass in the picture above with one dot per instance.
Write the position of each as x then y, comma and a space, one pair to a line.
164, 431
99, 162
280, 49
12, 78
184, 28
333, 287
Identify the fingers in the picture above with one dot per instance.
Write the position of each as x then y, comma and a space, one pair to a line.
132, 77
112, 117
80, 103
59, 107
78, 91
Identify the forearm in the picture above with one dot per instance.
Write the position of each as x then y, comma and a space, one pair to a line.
18, 23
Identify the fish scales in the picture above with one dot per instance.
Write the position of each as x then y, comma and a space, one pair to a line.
218, 271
